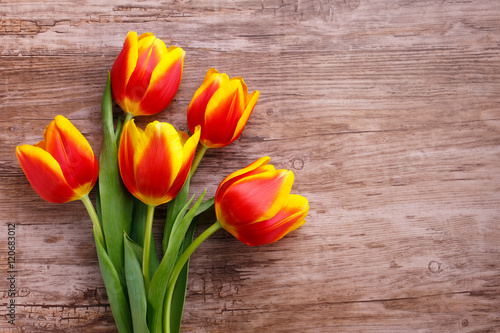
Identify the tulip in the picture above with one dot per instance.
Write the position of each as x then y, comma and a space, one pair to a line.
255, 205
221, 106
154, 165
146, 74
62, 167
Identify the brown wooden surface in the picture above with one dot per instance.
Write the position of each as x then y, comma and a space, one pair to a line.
388, 112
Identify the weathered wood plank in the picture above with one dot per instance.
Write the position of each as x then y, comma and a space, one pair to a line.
387, 112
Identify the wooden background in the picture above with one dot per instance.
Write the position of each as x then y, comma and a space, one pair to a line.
388, 112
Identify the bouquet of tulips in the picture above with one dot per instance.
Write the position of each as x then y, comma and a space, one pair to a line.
141, 169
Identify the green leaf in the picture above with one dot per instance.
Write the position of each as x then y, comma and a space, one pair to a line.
136, 248
179, 295
98, 204
135, 284
116, 295
205, 206
174, 207
159, 282
137, 232
118, 131
115, 200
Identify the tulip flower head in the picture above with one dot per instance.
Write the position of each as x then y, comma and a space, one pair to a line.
155, 163
221, 106
62, 167
146, 74
255, 205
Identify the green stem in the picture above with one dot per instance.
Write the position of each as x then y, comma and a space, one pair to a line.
119, 128
93, 216
178, 267
197, 158
128, 117
147, 245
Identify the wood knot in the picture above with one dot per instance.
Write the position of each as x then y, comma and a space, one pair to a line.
434, 267
298, 163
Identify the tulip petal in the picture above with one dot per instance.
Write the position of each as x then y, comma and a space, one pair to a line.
243, 85
188, 152
123, 68
222, 114
252, 100
131, 135
211, 73
183, 137
164, 83
254, 198
157, 161
198, 104
45, 174
150, 52
252, 166
73, 154
289, 218
229, 180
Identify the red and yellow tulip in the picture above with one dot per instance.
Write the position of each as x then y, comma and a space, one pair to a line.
155, 163
62, 167
255, 205
221, 106
146, 74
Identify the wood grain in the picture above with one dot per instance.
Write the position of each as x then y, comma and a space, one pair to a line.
388, 113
